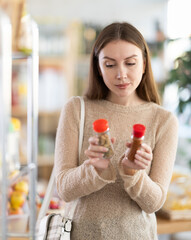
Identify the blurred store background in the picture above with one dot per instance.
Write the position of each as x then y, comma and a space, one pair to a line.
67, 31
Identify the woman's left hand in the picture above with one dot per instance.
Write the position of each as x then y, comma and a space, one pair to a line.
143, 157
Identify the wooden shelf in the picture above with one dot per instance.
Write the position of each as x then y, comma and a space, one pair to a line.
45, 160
21, 113
165, 226
49, 114
52, 62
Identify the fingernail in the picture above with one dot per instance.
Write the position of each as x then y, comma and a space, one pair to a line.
105, 149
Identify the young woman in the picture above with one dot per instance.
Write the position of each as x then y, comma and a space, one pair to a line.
117, 198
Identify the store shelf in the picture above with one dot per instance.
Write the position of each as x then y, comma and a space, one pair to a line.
53, 62
165, 226
20, 56
48, 122
54, 114
12, 223
45, 160
21, 112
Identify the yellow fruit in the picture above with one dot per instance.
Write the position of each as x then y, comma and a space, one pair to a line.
22, 186
17, 199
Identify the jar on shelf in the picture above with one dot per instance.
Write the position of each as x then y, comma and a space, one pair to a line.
137, 138
101, 127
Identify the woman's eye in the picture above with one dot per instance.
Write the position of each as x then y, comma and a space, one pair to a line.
109, 65
130, 64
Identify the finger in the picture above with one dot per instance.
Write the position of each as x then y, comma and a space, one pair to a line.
136, 164
141, 161
145, 155
146, 148
91, 154
97, 148
93, 140
128, 144
141, 164
128, 163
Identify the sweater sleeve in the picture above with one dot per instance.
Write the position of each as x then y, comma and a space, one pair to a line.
74, 181
149, 191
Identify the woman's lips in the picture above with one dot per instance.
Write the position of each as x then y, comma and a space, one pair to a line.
122, 86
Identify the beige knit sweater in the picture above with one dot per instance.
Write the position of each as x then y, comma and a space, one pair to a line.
115, 206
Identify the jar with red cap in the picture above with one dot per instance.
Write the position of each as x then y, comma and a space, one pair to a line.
101, 127
137, 139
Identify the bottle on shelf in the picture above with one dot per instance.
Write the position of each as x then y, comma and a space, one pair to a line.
25, 33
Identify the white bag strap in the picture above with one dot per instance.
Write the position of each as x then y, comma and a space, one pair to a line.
51, 183
82, 119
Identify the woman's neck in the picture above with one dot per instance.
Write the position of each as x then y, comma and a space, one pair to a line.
126, 101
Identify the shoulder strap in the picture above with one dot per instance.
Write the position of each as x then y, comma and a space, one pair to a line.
51, 182
81, 127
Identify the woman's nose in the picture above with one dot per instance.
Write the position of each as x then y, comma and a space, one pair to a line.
121, 73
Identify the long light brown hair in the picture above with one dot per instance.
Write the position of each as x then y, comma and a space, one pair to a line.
147, 89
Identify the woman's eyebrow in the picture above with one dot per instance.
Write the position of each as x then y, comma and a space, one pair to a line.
105, 57
132, 56
112, 59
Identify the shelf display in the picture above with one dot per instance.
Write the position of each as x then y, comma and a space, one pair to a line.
58, 46
16, 199
14, 9
13, 152
178, 203
17, 203
5, 110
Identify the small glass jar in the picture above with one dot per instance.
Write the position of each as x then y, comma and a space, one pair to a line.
137, 139
101, 127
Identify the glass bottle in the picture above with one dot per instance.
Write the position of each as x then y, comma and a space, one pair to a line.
101, 127
137, 138
25, 38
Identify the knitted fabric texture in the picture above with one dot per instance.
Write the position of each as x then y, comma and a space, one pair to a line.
113, 205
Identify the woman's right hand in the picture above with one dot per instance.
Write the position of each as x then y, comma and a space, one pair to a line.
95, 155
143, 158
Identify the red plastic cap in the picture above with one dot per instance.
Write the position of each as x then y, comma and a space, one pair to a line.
138, 130
100, 125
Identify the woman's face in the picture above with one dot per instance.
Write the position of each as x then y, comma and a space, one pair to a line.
121, 65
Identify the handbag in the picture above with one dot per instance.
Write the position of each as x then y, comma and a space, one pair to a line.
57, 226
